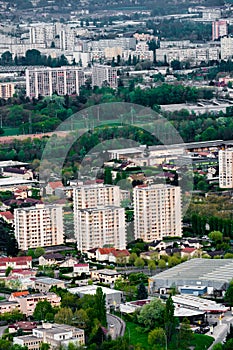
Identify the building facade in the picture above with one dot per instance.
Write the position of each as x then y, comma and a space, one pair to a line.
99, 227
104, 76
219, 29
7, 90
226, 168
87, 196
157, 212
46, 81
39, 226
56, 335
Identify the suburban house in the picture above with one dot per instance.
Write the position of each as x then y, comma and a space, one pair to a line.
7, 216
51, 187
105, 276
43, 284
81, 268
188, 253
51, 259
69, 261
16, 263
119, 256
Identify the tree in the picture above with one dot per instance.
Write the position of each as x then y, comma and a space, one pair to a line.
44, 346
162, 264
228, 297
157, 337
81, 319
152, 315
42, 308
142, 292
108, 176
216, 236
132, 258
186, 333
217, 346
139, 262
39, 252
169, 319
64, 315
151, 265
8, 271
100, 306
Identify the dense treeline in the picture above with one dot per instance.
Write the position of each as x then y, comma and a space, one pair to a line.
32, 58
46, 114
200, 224
174, 29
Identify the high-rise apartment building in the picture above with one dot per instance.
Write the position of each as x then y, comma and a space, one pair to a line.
226, 47
93, 196
100, 227
98, 219
39, 226
46, 81
157, 212
219, 29
7, 90
104, 75
225, 158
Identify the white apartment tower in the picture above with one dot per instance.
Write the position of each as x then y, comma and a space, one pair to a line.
46, 81
101, 227
98, 219
39, 226
93, 196
219, 29
226, 47
157, 212
226, 168
104, 75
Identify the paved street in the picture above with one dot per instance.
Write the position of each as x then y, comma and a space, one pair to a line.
221, 330
116, 326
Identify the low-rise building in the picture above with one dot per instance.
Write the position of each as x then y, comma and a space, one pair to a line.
9, 306
56, 335
105, 276
50, 259
16, 263
81, 268
113, 296
28, 302
43, 284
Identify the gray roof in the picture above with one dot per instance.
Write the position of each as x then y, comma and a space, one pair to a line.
215, 273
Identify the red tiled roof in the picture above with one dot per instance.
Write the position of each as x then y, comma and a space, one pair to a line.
7, 214
118, 253
17, 259
81, 265
20, 294
55, 184
106, 250
188, 250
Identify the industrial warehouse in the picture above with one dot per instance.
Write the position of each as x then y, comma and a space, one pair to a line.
195, 276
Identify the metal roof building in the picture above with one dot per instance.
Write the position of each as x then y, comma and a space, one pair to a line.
212, 273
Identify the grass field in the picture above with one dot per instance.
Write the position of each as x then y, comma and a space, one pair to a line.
10, 131
136, 336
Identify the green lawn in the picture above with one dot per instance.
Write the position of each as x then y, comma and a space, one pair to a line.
10, 131
137, 337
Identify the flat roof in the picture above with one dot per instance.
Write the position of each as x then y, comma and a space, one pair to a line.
10, 163
48, 280
197, 272
14, 181
92, 290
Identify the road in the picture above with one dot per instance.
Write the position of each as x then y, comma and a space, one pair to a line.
221, 330
116, 326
